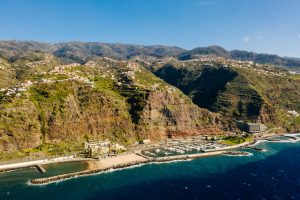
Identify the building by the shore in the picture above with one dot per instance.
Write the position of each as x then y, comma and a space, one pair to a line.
102, 148
252, 127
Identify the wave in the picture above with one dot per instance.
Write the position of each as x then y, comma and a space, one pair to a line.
285, 141
240, 155
292, 134
171, 161
278, 141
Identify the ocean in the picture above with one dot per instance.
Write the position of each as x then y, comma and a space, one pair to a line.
273, 174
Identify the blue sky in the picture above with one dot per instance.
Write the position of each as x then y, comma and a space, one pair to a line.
268, 26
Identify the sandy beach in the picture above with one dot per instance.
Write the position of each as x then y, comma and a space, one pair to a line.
114, 161
137, 158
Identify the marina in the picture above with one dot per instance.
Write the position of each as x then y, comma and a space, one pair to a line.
182, 147
113, 183
176, 150
157, 155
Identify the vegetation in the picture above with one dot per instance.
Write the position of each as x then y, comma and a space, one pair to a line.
124, 102
236, 140
225, 90
46, 93
137, 100
296, 77
237, 91
147, 79
106, 86
297, 120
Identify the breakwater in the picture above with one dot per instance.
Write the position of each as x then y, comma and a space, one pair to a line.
146, 160
52, 179
172, 180
254, 148
291, 137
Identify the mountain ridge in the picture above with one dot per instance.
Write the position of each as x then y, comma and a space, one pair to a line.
59, 96
81, 52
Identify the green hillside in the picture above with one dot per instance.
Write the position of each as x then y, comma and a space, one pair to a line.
51, 105
239, 90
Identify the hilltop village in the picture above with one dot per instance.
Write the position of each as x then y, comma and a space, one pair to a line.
122, 77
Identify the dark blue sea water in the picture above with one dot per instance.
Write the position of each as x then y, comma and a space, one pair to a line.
274, 174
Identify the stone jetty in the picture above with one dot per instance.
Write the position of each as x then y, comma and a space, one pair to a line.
129, 160
41, 181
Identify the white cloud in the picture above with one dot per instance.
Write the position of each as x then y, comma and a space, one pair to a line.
246, 39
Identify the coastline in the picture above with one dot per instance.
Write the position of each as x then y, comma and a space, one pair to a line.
21, 165
128, 160
92, 171
122, 161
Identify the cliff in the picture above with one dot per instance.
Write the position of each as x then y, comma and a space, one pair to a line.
239, 90
54, 103
53, 97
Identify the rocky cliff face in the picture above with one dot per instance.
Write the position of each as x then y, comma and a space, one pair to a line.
171, 114
19, 126
48, 99
104, 99
239, 90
